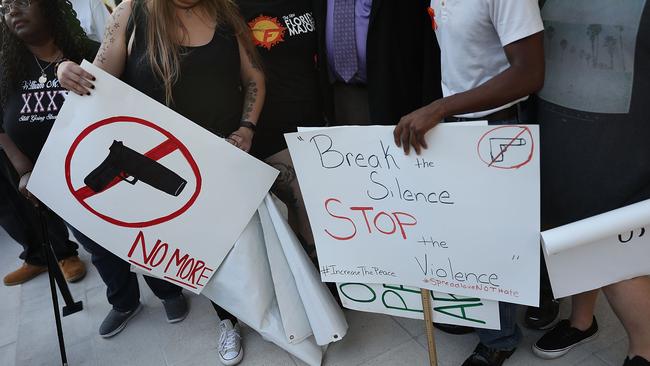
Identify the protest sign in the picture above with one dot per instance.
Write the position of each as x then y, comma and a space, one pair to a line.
598, 251
461, 218
406, 302
146, 183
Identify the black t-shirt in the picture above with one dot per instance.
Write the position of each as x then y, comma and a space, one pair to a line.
285, 35
594, 108
208, 91
30, 111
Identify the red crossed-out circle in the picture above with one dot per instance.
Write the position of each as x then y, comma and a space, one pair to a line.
502, 131
171, 144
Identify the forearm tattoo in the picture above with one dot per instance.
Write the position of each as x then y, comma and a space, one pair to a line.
254, 61
110, 34
250, 99
284, 184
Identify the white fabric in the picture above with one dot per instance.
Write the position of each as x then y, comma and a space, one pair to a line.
472, 34
246, 286
93, 16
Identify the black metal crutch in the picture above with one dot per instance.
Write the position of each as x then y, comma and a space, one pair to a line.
56, 278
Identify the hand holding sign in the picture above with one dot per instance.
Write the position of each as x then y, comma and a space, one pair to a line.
373, 210
170, 225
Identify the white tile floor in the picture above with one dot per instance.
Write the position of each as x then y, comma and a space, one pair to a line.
28, 335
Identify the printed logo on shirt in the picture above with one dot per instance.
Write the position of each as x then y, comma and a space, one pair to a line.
267, 31
41, 101
299, 24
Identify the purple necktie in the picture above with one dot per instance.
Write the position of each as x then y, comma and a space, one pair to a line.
345, 46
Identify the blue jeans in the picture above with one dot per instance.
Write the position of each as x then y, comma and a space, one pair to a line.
509, 336
122, 288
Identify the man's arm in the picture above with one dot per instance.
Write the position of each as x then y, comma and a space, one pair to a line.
525, 76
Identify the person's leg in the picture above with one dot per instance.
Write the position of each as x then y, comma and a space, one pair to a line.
544, 316
630, 300
12, 220
122, 289
580, 328
582, 309
509, 336
163, 289
63, 247
496, 346
223, 314
230, 348
175, 304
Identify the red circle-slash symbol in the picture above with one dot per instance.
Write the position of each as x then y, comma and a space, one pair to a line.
506, 147
170, 145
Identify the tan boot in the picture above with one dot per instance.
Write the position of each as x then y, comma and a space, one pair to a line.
73, 269
23, 274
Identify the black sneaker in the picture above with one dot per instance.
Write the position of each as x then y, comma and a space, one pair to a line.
176, 309
453, 329
116, 321
484, 356
543, 317
562, 338
636, 361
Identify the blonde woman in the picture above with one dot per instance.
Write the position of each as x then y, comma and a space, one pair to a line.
197, 57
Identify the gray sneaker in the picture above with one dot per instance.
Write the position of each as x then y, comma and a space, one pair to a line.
116, 321
176, 309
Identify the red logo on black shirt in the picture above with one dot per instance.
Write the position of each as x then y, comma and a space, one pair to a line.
267, 31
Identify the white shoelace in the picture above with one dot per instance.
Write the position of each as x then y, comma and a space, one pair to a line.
229, 340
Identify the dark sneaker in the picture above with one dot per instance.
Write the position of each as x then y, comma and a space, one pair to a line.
453, 329
636, 361
176, 309
563, 338
116, 321
484, 356
543, 317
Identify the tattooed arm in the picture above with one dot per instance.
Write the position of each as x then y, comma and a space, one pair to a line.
111, 56
254, 92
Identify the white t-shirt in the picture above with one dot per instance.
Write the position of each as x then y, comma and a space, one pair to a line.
93, 16
472, 34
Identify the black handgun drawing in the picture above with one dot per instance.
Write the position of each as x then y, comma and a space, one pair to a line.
124, 162
498, 147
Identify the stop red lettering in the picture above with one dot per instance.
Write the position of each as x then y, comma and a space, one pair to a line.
375, 222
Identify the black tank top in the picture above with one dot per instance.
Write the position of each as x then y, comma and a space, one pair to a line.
208, 91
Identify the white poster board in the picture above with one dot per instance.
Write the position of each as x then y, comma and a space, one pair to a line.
406, 302
598, 251
462, 218
192, 196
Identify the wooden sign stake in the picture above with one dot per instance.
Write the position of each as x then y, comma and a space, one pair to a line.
428, 323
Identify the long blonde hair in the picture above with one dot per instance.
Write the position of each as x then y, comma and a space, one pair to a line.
164, 42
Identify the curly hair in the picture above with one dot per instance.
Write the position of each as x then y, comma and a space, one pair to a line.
69, 37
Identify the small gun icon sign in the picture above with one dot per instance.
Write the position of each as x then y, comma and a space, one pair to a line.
499, 146
124, 162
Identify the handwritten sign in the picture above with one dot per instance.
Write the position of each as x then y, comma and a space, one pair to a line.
461, 218
143, 182
406, 302
598, 251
